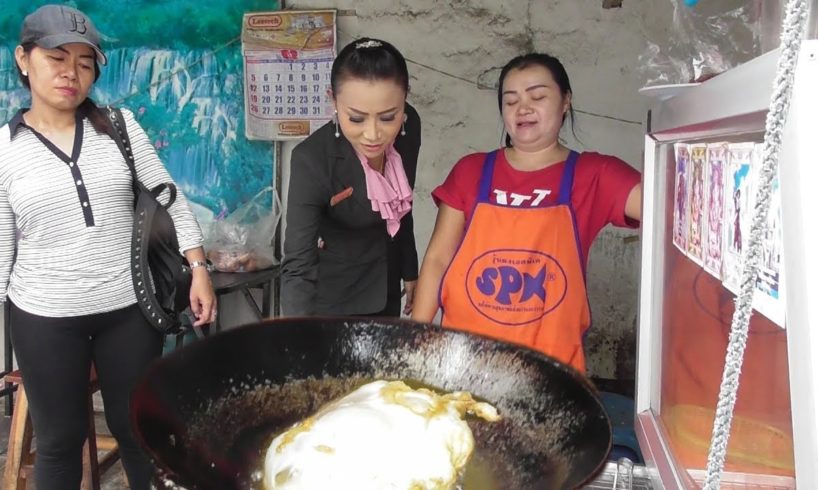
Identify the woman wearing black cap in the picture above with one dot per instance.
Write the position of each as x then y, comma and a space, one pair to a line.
65, 190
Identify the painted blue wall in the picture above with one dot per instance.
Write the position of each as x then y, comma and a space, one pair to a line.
177, 65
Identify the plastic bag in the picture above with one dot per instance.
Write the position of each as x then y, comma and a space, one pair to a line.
243, 241
705, 39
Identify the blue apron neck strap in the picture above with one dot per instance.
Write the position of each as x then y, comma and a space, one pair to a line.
567, 182
486, 176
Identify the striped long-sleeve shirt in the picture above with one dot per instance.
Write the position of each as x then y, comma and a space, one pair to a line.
70, 217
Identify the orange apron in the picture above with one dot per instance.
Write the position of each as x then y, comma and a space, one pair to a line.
518, 275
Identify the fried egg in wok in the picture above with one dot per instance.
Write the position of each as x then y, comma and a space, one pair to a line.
384, 435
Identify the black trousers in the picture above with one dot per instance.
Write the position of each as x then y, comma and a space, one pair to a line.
54, 356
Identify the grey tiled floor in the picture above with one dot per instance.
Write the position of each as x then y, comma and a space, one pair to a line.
113, 479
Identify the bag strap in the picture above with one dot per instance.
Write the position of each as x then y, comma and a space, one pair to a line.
166, 322
144, 288
123, 141
157, 191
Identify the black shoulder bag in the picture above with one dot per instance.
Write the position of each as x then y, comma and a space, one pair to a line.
161, 275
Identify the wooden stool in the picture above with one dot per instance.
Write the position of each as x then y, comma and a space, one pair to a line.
20, 457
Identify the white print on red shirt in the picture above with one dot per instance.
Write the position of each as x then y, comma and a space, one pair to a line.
501, 197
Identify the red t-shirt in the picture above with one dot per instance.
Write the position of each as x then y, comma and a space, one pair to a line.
602, 184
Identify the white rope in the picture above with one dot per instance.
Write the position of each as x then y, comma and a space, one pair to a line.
791, 36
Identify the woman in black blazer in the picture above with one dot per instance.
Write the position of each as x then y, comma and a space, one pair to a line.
349, 237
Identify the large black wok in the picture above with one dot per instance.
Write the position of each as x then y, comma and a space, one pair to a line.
206, 412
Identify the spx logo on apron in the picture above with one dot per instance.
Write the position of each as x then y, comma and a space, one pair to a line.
515, 287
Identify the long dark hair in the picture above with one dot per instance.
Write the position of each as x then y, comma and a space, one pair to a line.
87, 108
546, 61
369, 59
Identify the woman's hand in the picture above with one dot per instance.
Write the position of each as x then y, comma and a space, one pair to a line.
202, 297
409, 288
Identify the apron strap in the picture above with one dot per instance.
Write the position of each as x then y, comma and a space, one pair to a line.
567, 182
485, 177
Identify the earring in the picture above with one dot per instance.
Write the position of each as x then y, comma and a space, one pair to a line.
403, 126
335, 121
25, 73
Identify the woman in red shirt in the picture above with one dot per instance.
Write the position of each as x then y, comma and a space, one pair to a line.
508, 253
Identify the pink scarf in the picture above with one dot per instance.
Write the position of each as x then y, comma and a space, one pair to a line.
389, 192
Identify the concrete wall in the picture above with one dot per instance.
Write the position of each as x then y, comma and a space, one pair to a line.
456, 48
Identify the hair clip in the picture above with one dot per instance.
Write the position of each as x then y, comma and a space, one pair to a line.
369, 44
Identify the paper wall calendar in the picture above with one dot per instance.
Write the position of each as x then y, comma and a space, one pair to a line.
288, 58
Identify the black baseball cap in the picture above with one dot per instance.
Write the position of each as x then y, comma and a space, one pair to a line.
51, 26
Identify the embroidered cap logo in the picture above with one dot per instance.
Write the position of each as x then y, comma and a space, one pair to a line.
78, 23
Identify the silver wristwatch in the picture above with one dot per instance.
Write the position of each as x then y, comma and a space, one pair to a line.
200, 263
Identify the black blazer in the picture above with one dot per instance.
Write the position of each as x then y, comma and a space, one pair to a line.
349, 275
